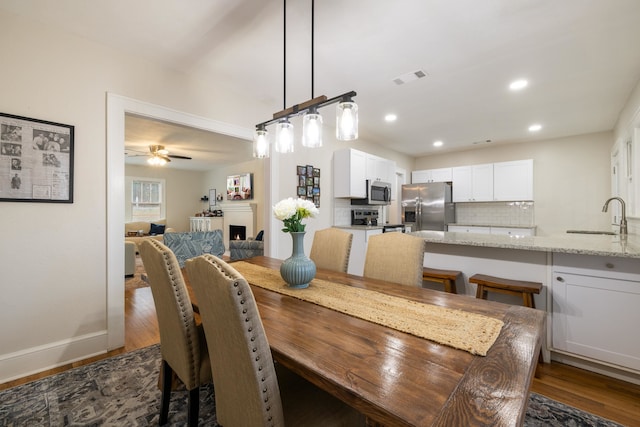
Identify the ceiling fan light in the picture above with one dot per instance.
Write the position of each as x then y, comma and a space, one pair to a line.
347, 121
261, 143
312, 129
156, 161
284, 137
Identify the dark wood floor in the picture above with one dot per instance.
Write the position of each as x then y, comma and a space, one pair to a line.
610, 398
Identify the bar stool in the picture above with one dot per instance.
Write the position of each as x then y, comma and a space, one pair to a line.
506, 286
510, 287
446, 277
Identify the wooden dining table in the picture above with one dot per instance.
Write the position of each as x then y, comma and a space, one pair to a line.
398, 379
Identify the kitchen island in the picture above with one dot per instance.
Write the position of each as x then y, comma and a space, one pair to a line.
591, 289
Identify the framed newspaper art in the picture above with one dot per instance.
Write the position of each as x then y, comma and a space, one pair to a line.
36, 160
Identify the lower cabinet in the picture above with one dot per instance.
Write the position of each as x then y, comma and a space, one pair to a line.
359, 249
595, 308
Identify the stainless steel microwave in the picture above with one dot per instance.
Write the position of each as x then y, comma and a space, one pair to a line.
378, 193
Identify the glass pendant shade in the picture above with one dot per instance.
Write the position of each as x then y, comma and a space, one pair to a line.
312, 130
261, 144
284, 137
347, 121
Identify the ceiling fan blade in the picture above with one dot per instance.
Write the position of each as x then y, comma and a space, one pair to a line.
173, 156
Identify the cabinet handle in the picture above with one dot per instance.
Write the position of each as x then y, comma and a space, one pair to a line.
559, 279
609, 265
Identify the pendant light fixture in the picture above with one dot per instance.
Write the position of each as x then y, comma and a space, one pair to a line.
346, 113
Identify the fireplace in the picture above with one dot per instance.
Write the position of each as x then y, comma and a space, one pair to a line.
237, 232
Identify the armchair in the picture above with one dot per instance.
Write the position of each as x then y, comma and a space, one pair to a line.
240, 249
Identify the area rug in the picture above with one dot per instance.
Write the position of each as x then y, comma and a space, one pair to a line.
139, 278
123, 391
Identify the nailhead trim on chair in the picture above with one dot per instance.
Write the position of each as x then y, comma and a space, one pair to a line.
248, 320
173, 278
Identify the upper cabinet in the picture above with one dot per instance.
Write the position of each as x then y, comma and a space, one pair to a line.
349, 173
379, 169
473, 183
513, 180
352, 168
494, 182
432, 175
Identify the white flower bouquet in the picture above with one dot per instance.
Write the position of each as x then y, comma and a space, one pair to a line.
292, 211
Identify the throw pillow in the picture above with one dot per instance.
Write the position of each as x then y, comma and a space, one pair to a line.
156, 229
260, 235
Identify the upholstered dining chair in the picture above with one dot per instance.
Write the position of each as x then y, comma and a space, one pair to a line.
182, 342
331, 248
249, 389
395, 257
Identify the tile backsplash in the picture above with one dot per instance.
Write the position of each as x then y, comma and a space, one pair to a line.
496, 213
341, 212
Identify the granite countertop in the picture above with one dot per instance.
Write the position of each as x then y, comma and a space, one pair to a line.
359, 227
468, 224
603, 245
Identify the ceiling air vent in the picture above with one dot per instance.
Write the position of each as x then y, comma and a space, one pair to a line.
409, 77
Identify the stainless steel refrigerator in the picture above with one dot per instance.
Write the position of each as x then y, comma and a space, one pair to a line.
427, 206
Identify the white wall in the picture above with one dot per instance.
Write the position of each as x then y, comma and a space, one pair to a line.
182, 192
54, 256
217, 178
571, 177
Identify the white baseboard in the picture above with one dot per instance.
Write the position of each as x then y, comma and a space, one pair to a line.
37, 359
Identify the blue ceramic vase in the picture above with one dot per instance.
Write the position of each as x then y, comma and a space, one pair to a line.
298, 270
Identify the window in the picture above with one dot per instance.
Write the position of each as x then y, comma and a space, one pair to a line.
147, 200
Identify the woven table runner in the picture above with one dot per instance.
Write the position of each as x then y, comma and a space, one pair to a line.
459, 329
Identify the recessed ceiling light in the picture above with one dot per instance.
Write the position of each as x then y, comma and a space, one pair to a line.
535, 128
390, 118
437, 144
518, 84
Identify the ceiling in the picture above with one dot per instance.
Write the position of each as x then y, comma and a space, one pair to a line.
579, 56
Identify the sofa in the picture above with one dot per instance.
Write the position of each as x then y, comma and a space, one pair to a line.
136, 231
194, 243
129, 259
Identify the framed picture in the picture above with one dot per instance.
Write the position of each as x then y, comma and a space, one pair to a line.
240, 187
308, 185
36, 160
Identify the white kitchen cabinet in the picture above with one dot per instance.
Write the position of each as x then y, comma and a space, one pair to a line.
513, 180
469, 229
473, 183
595, 308
380, 169
351, 169
349, 173
359, 248
432, 175
514, 231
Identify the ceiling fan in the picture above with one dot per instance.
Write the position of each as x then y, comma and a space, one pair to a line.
158, 155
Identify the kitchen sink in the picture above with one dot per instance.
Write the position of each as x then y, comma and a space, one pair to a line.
610, 233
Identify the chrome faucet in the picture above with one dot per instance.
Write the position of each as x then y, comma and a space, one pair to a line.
623, 219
